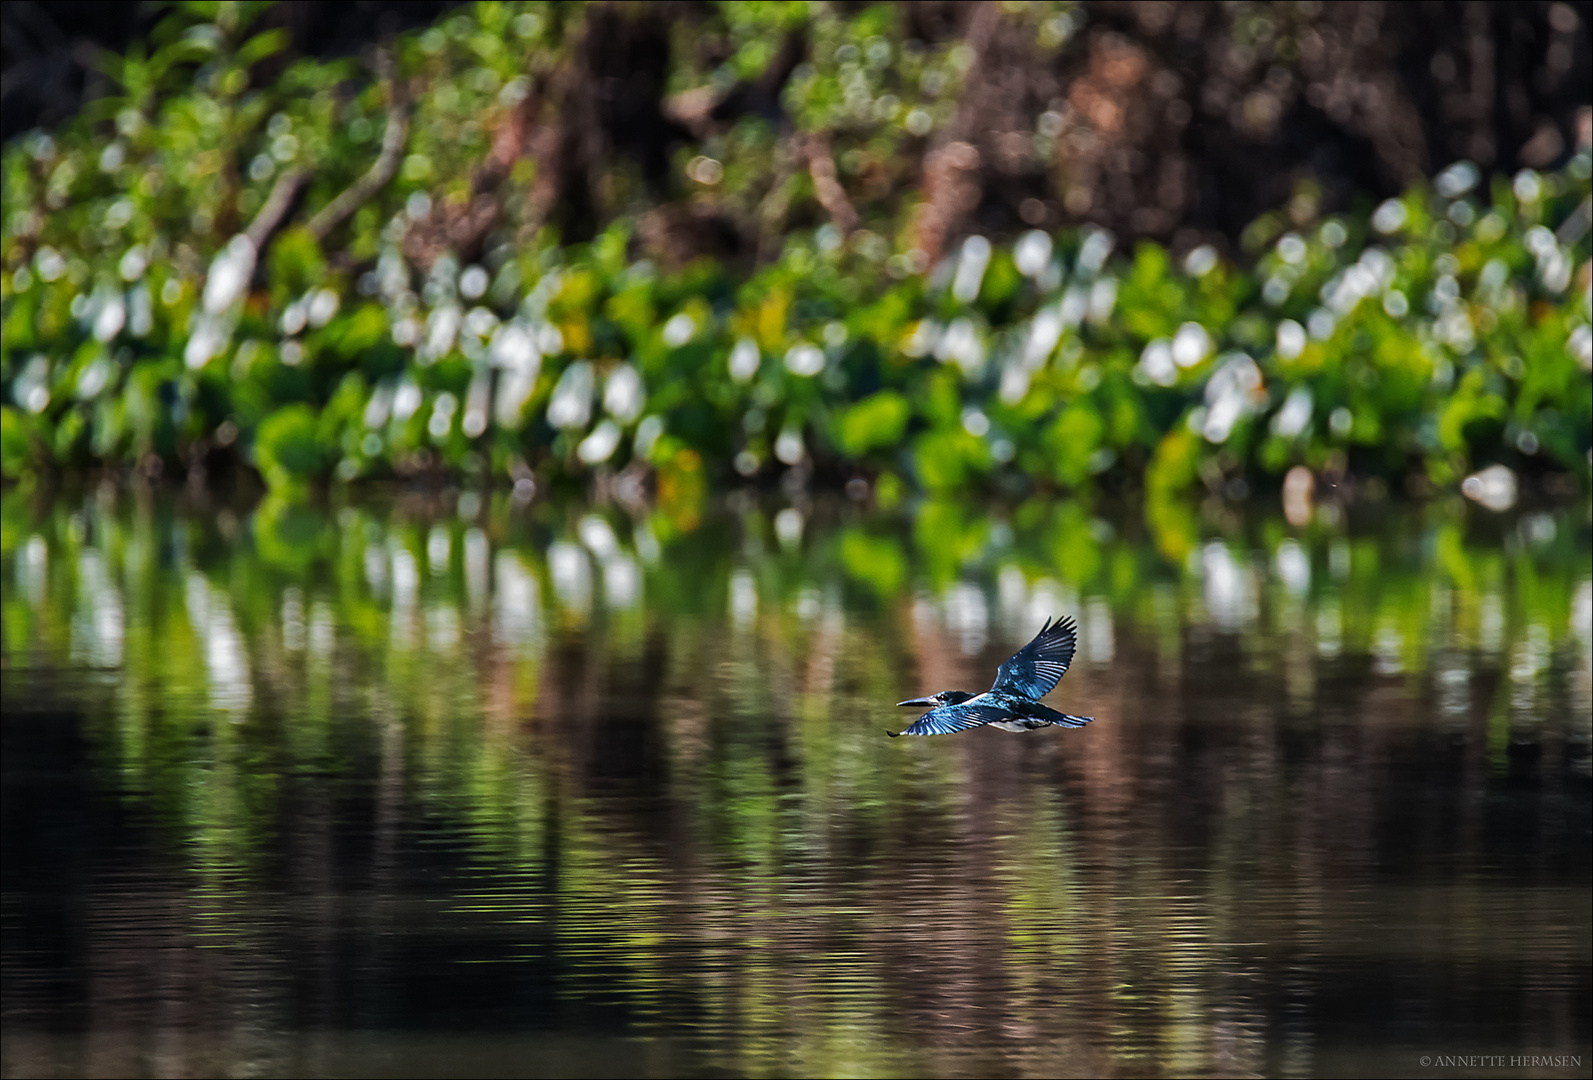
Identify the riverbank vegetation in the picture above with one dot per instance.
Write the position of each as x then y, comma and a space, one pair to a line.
767, 254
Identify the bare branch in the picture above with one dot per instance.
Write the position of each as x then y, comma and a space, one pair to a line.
276, 207
385, 167
830, 193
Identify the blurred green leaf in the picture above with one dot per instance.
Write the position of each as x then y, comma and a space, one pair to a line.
877, 421
287, 448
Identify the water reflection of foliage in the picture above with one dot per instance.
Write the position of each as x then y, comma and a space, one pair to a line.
196, 616
682, 776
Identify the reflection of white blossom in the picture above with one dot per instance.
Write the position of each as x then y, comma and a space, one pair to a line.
99, 624
571, 572
966, 614
226, 662
788, 526
622, 583
1294, 567
439, 549
743, 599
516, 602
1230, 597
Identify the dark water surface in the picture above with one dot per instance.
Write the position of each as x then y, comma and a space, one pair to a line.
462, 788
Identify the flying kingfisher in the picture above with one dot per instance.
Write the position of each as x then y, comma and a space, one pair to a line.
1013, 703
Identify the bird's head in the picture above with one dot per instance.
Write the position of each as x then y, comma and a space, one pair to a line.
935, 701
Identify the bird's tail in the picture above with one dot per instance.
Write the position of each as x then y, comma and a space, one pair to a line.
1051, 716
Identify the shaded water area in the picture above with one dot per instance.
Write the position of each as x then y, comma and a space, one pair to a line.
451, 786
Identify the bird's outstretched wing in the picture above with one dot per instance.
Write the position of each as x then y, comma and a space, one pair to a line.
1035, 669
950, 718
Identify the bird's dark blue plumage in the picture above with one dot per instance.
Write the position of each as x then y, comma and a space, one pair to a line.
1013, 702
1034, 670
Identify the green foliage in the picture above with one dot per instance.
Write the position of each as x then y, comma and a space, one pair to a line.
15, 450
288, 447
1438, 334
876, 422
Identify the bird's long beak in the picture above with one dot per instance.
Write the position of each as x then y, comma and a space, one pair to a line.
926, 702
